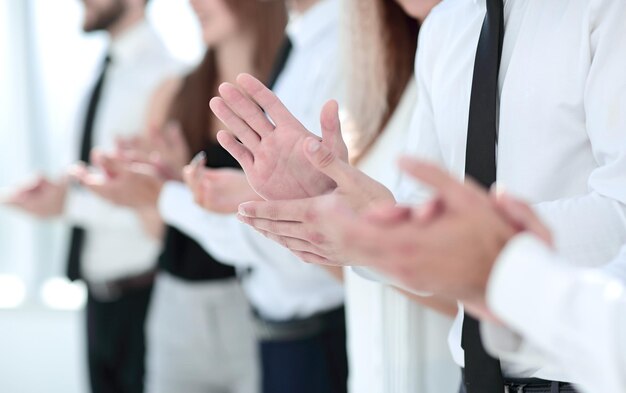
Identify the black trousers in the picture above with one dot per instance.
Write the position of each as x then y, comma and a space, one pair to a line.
116, 343
317, 364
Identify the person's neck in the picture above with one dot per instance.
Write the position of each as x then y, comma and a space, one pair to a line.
301, 6
129, 20
234, 57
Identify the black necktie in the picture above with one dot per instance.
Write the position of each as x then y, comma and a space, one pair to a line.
482, 372
78, 234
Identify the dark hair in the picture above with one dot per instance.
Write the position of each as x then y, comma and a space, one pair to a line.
267, 21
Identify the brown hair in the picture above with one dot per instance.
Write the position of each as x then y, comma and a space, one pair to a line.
266, 21
381, 45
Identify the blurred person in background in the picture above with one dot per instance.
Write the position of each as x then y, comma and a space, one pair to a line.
199, 329
111, 248
298, 308
395, 344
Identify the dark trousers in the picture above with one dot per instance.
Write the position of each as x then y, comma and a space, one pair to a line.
317, 364
115, 342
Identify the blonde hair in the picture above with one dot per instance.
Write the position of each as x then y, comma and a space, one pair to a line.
380, 42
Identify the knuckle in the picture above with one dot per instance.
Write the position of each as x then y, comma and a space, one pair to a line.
317, 238
325, 158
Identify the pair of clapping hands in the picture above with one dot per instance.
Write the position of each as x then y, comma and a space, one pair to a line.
328, 212
133, 175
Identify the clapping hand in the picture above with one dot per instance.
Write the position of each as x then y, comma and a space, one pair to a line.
123, 181
43, 198
218, 190
271, 150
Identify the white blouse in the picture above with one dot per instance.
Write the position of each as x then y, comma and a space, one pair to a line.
394, 344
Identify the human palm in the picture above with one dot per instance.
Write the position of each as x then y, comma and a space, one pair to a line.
271, 152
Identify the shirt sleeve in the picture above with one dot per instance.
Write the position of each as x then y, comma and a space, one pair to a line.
592, 227
85, 209
572, 318
216, 233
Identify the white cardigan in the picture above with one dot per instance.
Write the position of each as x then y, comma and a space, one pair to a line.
394, 344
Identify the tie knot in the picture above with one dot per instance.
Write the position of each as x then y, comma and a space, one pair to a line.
107, 60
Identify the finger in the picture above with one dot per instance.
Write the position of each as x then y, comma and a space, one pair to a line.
388, 215
296, 210
199, 160
429, 211
264, 97
450, 190
175, 136
327, 162
249, 111
235, 124
240, 152
522, 216
190, 175
78, 171
281, 228
293, 244
331, 129
314, 259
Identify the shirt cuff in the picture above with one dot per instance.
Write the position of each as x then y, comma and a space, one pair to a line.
520, 293
523, 278
173, 194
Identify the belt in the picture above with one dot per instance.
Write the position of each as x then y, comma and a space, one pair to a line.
108, 291
536, 385
297, 329
533, 385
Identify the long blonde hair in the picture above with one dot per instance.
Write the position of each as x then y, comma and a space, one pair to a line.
380, 44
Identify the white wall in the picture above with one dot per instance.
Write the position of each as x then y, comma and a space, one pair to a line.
41, 351
46, 66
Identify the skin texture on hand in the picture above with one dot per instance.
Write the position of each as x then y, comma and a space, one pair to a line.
447, 249
302, 225
43, 198
218, 190
166, 145
270, 149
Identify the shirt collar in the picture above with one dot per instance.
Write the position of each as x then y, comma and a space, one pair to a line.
129, 44
305, 28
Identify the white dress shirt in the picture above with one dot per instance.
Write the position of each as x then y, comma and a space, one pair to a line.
115, 244
311, 74
281, 287
562, 125
572, 319
394, 344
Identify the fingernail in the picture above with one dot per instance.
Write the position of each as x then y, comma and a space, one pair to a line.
198, 158
313, 146
242, 211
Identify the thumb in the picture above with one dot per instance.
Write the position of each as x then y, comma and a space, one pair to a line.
106, 163
522, 216
331, 130
327, 162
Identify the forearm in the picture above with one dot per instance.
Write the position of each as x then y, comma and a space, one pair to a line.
223, 236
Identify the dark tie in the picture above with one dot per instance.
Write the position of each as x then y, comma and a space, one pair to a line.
78, 234
482, 372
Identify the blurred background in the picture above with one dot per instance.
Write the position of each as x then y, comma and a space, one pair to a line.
47, 64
